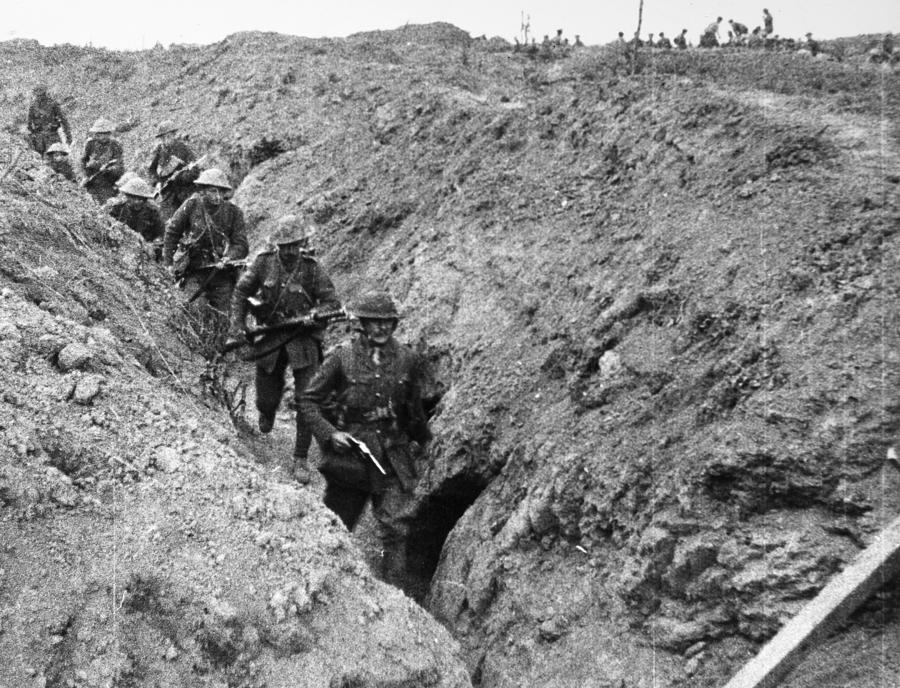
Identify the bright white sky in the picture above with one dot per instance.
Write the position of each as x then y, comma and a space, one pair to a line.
127, 25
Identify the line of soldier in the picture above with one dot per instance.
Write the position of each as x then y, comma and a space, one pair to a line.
549, 47
367, 390
738, 35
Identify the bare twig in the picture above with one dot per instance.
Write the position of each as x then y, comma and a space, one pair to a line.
11, 165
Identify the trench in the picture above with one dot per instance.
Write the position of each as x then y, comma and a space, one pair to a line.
435, 517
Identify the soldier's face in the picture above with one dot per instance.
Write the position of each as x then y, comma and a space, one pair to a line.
378, 331
56, 157
213, 194
291, 250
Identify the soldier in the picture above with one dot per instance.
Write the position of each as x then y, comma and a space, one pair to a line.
284, 282
171, 168
102, 162
812, 45
663, 42
375, 383
650, 42
756, 39
710, 37
207, 231
135, 209
578, 43
57, 159
768, 24
620, 40
45, 118
681, 40
739, 30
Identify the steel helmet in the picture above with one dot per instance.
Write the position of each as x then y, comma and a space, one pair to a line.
58, 148
289, 229
101, 126
213, 177
165, 127
137, 187
125, 178
375, 305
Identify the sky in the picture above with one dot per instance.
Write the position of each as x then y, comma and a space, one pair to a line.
106, 23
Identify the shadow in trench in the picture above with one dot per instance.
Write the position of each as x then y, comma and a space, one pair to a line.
434, 519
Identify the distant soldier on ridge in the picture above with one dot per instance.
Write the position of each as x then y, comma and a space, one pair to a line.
284, 283
135, 209
203, 236
102, 161
45, 119
663, 42
768, 24
57, 159
171, 168
739, 30
681, 40
710, 36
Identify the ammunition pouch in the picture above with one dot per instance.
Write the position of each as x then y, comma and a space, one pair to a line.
181, 263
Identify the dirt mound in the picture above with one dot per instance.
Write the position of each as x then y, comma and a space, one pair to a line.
660, 306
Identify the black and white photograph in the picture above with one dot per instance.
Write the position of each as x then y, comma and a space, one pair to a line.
402, 344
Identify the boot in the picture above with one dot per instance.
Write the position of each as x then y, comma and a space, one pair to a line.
266, 422
301, 470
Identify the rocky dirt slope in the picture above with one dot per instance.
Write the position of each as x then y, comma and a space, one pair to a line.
661, 307
142, 543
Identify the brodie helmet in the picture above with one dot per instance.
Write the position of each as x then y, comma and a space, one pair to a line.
213, 177
375, 305
137, 187
101, 126
289, 229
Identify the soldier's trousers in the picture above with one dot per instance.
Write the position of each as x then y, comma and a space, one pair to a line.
102, 190
392, 510
43, 139
270, 387
217, 292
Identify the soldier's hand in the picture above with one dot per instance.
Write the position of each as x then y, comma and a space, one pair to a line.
340, 440
233, 342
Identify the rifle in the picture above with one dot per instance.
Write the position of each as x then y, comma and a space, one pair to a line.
90, 180
360, 448
216, 269
313, 321
178, 171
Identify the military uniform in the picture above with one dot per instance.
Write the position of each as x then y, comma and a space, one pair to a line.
206, 233
45, 118
283, 292
374, 393
710, 36
64, 167
768, 23
143, 218
168, 168
97, 154
680, 41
